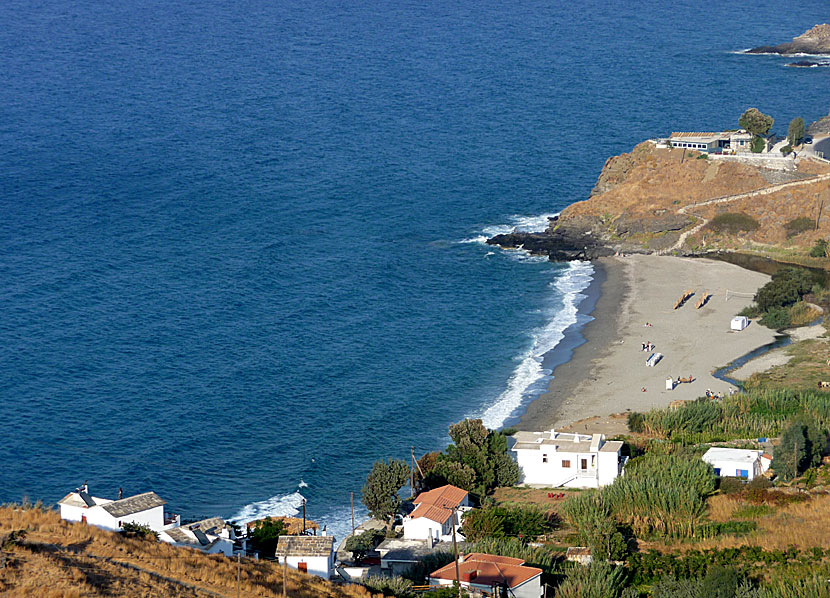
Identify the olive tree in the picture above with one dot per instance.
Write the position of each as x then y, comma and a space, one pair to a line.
380, 493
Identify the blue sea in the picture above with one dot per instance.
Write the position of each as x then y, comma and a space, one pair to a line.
241, 244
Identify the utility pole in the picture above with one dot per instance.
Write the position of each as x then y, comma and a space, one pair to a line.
303, 534
238, 572
455, 552
412, 473
284, 571
351, 495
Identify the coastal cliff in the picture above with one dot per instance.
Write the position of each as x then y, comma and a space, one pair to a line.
812, 41
662, 200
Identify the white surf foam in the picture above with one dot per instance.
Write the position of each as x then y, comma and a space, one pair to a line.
282, 505
530, 372
518, 223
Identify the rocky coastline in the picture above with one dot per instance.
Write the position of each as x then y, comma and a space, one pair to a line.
813, 41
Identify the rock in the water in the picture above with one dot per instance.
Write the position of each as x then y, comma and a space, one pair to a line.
813, 41
807, 63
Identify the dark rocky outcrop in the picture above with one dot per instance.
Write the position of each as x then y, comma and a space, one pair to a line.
561, 244
813, 41
808, 63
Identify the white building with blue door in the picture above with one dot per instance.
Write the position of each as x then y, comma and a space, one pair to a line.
737, 463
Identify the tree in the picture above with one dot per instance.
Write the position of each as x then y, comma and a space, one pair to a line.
790, 455
266, 534
360, 544
380, 493
755, 122
478, 460
796, 131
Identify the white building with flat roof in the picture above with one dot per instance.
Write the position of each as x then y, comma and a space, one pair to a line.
737, 463
553, 459
712, 142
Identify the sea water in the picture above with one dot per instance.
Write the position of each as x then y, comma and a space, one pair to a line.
241, 244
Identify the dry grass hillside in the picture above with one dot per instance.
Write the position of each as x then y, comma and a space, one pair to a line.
56, 559
649, 179
646, 198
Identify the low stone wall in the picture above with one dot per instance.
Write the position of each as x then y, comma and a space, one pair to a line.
763, 160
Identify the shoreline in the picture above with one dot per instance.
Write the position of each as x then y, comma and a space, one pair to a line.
611, 286
607, 366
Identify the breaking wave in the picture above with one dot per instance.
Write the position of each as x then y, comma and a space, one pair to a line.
282, 505
529, 376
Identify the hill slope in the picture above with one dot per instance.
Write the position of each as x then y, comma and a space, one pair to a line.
57, 559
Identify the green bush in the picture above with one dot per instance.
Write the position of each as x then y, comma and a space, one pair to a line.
787, 286
799, 225
757, 145
787, 149
733, 223
750, 311
728, 485
776, 318
819, 249
389, 586
140, 531
360, 544
525, 522
635, 422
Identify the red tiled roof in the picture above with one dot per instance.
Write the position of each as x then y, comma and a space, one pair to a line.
431, 512
493, 558
488, 569
445, 496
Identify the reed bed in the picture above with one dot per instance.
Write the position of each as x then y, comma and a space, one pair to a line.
746, 415
663, 495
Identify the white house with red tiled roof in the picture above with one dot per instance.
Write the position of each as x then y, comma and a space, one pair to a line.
487, 574
436, 513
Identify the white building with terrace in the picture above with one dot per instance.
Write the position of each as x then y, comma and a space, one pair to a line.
714, 142
562, 459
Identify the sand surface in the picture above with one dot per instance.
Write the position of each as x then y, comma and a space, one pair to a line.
607, 374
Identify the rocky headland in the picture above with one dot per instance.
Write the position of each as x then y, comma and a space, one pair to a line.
813, 41
662, 200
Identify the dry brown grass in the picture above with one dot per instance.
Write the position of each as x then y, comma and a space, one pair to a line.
722, 507
803, 525
71, 560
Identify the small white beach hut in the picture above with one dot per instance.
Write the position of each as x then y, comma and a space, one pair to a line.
739, 322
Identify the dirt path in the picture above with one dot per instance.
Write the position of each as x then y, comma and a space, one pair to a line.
727, 198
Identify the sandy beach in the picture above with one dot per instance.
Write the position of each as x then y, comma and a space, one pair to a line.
608, 372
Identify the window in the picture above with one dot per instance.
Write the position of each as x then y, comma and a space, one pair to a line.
544, 458
566, 463
717, 471
743, 473
302, 567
